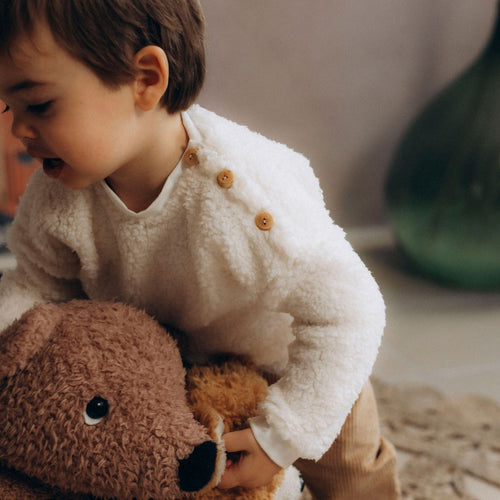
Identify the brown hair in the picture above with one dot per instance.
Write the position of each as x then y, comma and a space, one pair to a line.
105, 34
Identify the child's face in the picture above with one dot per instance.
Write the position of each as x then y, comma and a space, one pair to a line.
81, 130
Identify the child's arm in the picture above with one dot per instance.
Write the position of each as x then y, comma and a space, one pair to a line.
47, 269
338, 319
19, 292
15, 298
301, 266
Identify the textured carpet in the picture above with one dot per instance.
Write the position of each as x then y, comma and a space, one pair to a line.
445, 439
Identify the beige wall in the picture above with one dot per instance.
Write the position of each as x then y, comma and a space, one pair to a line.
338, 80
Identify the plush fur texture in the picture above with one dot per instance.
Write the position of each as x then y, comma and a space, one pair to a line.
58, 358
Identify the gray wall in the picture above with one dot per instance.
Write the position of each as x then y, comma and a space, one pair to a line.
338, 80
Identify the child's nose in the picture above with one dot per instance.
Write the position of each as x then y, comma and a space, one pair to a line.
22, 129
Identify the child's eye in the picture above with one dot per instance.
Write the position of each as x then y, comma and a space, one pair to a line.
39, 109
6, 109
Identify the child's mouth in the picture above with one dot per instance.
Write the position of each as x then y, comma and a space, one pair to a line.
53, 167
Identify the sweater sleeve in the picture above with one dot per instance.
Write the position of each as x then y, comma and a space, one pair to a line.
46, 270
301, 265
338, 320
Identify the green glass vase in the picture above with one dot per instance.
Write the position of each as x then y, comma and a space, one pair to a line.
442, 190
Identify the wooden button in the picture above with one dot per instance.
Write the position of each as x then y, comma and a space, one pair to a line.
191, 157
264, 221
225, 179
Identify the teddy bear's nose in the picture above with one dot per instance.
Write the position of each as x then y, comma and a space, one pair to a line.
196, 470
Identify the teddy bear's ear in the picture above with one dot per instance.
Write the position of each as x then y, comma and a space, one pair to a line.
26, 336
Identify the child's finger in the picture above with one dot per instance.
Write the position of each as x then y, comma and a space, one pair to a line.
237, 441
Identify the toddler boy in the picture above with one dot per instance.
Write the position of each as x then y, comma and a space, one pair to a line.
147, 198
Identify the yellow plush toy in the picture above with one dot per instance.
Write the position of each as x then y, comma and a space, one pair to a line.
223, 396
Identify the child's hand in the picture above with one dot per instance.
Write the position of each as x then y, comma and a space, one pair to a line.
247, 465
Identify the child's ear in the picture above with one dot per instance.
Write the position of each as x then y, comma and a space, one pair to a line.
151, 81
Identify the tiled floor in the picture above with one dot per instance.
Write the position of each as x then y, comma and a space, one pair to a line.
449, 339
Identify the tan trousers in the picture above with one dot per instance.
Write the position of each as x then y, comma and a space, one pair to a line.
360, 465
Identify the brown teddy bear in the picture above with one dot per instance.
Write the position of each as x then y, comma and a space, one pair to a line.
93, 404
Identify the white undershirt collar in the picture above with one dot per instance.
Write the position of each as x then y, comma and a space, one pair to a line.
158, 204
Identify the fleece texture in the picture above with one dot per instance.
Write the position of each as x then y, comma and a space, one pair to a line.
296, 299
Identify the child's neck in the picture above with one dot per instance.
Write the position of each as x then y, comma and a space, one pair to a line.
139, 183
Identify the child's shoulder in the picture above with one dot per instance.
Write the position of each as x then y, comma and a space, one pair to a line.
48, 204
228, 137
260, 161
266, 180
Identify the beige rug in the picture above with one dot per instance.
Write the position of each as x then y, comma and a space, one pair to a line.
445, 439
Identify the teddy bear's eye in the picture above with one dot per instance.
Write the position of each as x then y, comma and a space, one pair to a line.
97, 408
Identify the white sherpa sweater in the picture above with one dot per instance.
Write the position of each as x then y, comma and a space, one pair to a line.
296, 297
